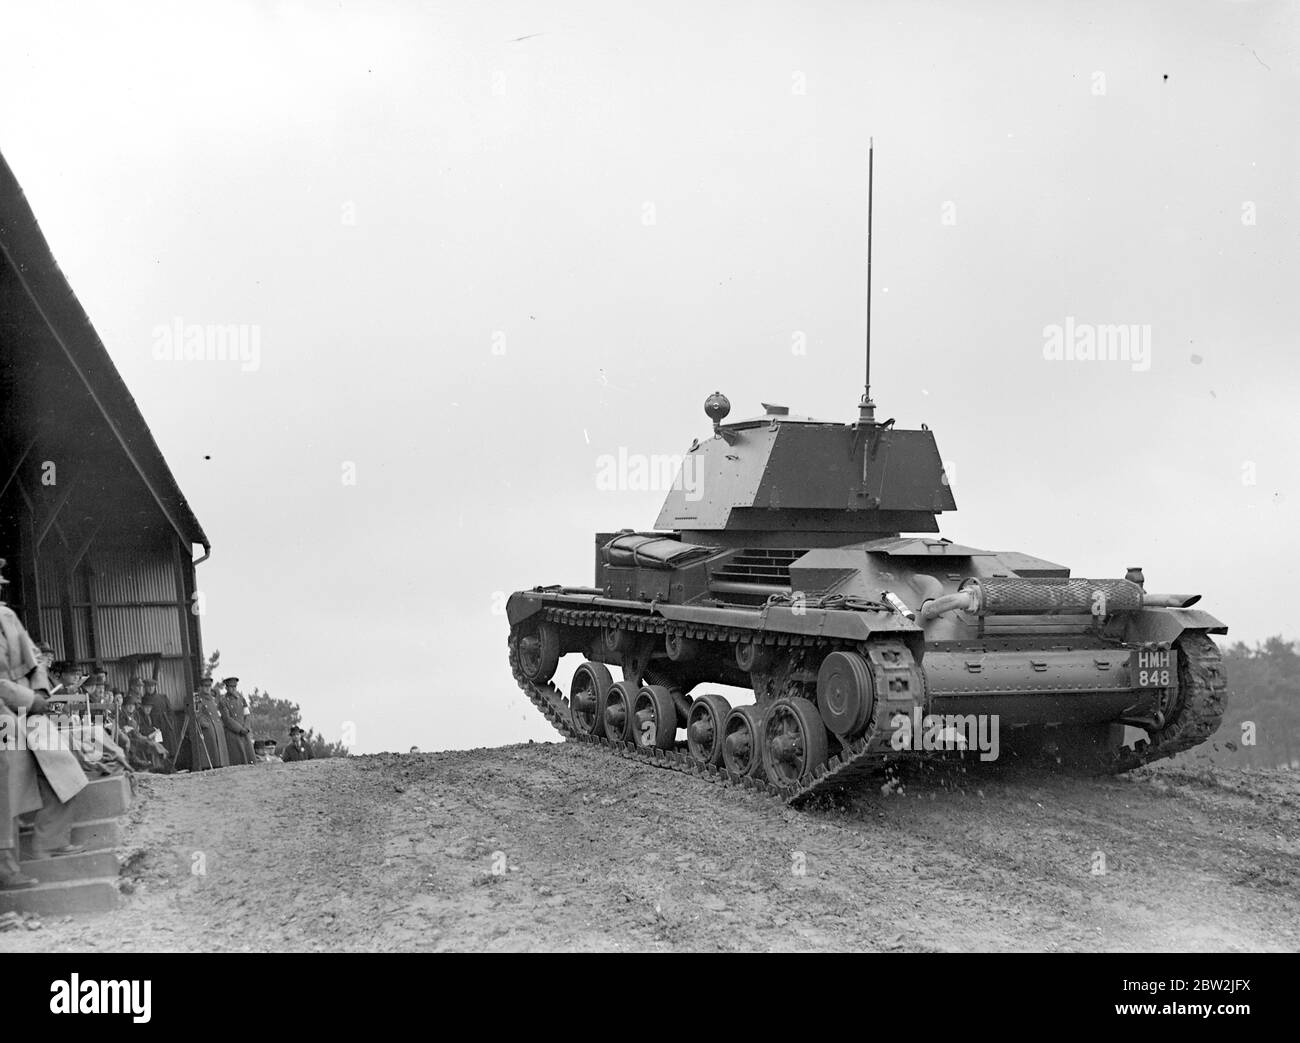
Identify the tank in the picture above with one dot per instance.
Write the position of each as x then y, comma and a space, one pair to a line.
800, 559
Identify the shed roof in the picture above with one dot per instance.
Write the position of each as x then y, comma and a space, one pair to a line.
24, 248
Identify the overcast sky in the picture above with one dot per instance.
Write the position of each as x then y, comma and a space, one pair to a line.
483, 245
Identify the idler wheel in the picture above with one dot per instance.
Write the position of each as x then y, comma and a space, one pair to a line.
655, 716
794, 741
619, 719
845, 694
539, 652
704, 728
741, 739
591, 683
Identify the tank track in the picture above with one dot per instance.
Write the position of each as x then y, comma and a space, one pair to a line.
852, 763
1200, 710
1203, 692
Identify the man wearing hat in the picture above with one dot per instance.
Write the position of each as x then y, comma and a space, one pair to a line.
67, 691
161, 715
37, 774
145, 752
231, 684
297, 750
264, 751
239, 740
205, 736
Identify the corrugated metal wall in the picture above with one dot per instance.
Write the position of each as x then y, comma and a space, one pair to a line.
134, 575
52, 629
125, 602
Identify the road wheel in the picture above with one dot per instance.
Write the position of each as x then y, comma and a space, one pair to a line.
619, 719
704, 728
591, 684
794, 741
741, 739
655, 716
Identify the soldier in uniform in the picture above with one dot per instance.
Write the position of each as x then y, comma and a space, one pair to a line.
239, 740
231, 684
204, 732
297, 750
264, 750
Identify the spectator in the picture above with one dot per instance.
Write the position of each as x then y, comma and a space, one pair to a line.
238, 740
144, 750
205, 735
42, 777
162, 716
264, 750
297, 750
68, 693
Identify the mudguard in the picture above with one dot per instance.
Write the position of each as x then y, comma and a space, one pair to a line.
1166, 625
522, 605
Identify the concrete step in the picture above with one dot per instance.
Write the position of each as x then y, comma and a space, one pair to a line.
102, 798
89, 866
96, 835
63, 898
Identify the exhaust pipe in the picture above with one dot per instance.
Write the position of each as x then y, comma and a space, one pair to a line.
966, 600
1036, 597
1170, 600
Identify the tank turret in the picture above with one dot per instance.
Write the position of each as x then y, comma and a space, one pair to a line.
828, 482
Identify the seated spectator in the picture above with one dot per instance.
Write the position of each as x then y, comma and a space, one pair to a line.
40, 777
144, 750
67, 693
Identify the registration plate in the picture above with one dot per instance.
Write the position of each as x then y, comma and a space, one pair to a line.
1155, 669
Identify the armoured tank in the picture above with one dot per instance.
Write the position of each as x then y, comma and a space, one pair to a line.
800, 559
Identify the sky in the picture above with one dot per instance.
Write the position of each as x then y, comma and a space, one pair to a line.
478, 247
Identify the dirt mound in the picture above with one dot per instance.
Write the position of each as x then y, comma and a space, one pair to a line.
560, 847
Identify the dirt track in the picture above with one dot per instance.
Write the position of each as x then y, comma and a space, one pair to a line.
395, 852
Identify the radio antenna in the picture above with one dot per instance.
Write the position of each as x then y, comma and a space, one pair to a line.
867, 408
